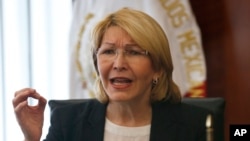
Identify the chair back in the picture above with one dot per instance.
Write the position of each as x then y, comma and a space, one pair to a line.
214, 105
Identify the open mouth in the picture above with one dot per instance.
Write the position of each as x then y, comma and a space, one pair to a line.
120, 80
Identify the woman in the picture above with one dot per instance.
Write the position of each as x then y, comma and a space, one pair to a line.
136, 98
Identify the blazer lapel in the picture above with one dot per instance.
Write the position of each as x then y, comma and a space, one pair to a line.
96, 122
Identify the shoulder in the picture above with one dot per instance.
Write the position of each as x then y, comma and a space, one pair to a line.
74, 109
74, 104
71, 118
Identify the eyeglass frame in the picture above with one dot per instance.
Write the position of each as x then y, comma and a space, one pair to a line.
128, 52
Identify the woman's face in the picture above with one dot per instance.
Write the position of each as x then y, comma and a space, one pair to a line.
125, 69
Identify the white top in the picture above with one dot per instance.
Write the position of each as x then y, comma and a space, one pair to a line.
114, 132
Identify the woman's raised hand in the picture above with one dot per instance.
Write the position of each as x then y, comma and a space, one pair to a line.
30, 118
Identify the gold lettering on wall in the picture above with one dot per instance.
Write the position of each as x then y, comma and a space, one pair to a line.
189, 44
190, 49
176, 11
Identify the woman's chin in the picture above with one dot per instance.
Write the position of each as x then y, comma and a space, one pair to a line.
119, 98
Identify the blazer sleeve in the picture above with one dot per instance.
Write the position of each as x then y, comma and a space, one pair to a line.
77, 121
55, 132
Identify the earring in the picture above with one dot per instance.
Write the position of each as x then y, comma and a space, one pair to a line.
155, 81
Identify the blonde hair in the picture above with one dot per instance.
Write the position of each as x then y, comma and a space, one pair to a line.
149, 35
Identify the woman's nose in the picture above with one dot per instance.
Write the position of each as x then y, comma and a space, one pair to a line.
120, 62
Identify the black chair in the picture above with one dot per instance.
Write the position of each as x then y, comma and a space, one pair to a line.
214, 105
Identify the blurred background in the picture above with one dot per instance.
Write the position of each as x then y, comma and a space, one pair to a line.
35, 52
225, 29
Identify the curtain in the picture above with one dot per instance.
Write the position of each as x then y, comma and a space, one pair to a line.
33, 53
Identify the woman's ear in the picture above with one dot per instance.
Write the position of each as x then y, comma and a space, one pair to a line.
158, 74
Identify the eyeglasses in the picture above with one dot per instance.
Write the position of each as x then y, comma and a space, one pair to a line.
110, 53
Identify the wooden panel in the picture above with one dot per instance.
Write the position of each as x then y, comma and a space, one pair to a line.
210, 18
225, 28
238, 61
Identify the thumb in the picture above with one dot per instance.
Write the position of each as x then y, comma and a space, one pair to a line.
42, 102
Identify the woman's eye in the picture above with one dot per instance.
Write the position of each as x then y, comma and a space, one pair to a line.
108, 51
133, 52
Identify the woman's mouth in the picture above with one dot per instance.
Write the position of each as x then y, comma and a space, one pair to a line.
120, 82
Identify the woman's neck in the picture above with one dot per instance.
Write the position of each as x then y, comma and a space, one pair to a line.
131, 115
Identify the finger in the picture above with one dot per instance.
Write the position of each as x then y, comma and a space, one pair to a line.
23, 95
24, 90
42, 102
20, 106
